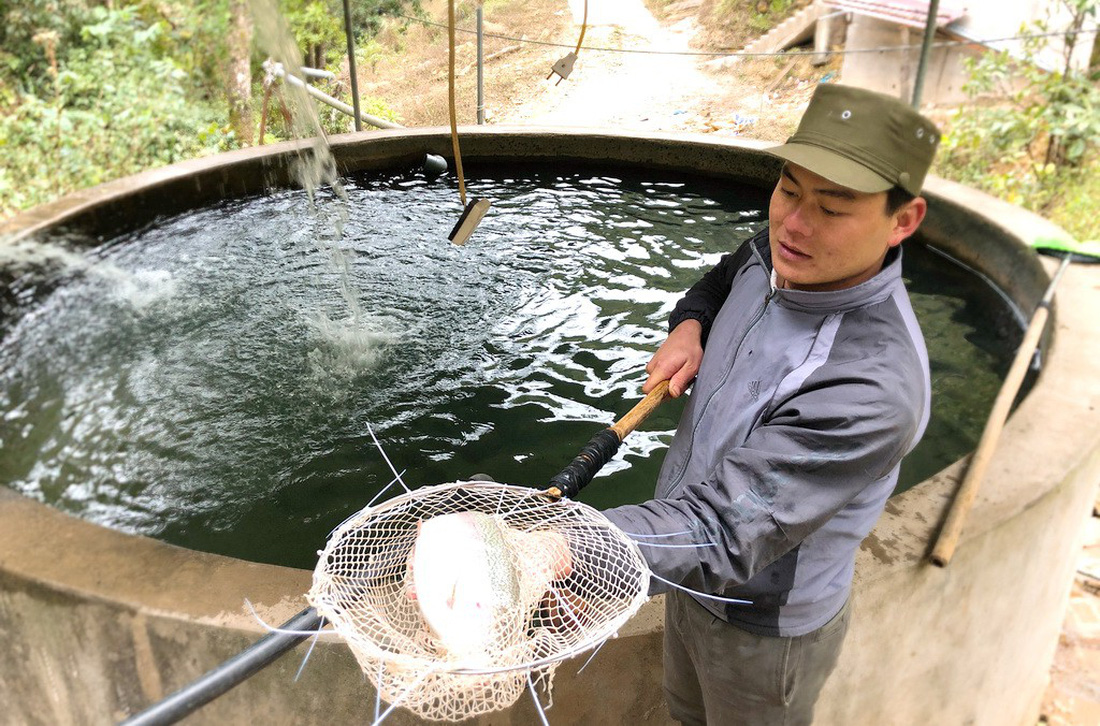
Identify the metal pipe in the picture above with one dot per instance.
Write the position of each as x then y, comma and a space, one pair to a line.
232, 672
480, 65
351, 65
339, 105
316, 73
925, 50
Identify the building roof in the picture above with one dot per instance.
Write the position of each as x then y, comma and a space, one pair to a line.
913, 13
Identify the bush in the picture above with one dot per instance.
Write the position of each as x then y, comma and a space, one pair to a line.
1030, 143
114, 104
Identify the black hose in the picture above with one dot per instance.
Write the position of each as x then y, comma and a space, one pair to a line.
229, 674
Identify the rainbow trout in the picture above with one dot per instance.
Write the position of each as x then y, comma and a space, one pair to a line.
466, 584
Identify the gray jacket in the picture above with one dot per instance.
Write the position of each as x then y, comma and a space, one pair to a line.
790, 444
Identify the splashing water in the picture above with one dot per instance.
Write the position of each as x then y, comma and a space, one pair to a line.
139, 290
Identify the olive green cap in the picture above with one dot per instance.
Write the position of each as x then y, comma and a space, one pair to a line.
862, 140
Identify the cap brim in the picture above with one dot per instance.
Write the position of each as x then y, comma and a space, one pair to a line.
834, 167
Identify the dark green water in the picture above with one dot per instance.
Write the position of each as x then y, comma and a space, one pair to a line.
210, 380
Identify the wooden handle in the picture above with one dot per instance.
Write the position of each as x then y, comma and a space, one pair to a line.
968, 490
635, 416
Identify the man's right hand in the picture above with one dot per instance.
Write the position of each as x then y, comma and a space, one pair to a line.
678, 358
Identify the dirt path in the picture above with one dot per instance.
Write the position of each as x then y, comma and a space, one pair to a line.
639, 91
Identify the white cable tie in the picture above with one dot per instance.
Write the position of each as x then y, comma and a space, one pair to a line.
594, 652
312, 644
386, 458
660, 545
535, 698
353, 515
378, 692
659, 534
734, 600
273, 629
386, 488
397, 701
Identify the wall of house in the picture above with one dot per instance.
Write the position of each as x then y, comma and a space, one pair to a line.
894, 71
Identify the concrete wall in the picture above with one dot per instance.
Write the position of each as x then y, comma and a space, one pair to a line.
97, 624
894, 71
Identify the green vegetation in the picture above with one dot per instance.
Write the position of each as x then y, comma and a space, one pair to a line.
102, 99
93, 90
767, 14
1032, 136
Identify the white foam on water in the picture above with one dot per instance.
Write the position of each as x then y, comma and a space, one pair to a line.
346, 348
138, 289
144, 288
26, 254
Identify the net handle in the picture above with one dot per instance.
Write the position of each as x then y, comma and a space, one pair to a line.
599, 450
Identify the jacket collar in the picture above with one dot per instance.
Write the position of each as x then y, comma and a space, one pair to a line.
870, 292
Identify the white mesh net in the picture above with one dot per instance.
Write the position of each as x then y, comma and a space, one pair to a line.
451, 619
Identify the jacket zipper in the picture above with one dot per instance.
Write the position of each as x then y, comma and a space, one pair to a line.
772, 292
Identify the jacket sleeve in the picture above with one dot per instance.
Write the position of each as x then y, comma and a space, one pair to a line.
705, 298
812, 456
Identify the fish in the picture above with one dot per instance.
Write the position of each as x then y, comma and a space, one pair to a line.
467, 584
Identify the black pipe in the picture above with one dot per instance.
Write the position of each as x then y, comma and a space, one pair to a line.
231, 673
925, 51
351, 64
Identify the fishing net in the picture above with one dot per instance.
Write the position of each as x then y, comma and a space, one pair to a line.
542, 614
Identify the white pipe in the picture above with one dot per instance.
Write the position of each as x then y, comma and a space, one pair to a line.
277, 69
316, 73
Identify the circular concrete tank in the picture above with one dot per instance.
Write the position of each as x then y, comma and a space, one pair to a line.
98, 624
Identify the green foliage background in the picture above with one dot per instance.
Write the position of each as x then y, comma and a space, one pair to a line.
91, 91
1032, 136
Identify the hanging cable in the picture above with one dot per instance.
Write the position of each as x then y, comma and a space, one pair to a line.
451, 99
475, 210
760, 54
564, 66
584, 28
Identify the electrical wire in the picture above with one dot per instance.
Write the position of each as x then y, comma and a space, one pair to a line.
760, 54
451, 101
584, 29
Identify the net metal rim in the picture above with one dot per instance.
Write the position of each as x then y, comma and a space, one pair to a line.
593, 639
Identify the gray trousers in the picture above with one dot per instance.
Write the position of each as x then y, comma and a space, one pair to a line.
718, 674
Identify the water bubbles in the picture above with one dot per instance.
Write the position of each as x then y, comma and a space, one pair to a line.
345, 350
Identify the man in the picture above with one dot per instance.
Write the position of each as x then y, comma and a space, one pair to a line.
812, 385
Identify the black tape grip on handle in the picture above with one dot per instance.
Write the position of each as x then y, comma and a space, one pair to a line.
593, 456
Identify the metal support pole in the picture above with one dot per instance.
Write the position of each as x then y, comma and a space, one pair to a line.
230, 673
925, 50
351, 65
480, 66
822, 32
